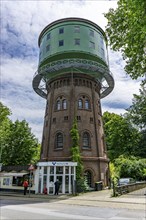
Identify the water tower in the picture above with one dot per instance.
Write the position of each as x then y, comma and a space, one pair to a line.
73, 75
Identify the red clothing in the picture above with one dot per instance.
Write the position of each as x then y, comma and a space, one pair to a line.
25, 184
45, 190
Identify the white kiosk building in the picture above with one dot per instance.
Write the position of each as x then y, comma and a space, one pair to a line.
48, 172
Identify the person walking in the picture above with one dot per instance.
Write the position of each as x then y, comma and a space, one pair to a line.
25, 185
57, 185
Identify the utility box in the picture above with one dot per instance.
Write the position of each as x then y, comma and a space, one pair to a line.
98, 186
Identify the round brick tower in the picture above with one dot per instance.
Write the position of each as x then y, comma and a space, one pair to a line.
73, 75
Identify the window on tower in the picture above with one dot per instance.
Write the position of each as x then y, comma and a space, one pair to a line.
61, 43
87, 104
61, 103
59, 140
92, 44
61, 30
102, 52
80, 103
58, 105
78, 118
101, 39
47, 48
86, 140
77, 41
64, 104
76, 29
48, 36
91, 33
84, 103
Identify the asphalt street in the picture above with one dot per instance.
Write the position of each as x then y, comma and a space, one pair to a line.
93, 205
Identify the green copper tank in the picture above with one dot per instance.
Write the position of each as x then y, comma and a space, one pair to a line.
73, 44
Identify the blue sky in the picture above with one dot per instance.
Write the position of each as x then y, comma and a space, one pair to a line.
21, 24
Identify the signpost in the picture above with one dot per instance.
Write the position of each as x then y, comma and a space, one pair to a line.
31, 168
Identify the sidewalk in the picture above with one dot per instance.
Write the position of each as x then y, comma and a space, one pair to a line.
133, 200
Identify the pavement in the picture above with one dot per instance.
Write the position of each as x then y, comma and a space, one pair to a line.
103, 198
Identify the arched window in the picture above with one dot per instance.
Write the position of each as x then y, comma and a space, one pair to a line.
58, 105
88, 176
59, 140
80, 104
84, 102
64, 104
61, 103
87, 104
86, 140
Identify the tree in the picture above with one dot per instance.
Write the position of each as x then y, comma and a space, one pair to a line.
21, 145
18, 146
4, 126
121, 137
4, 113
133, 167
126, 31
137, 111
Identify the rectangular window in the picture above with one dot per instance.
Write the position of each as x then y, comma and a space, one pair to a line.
40, 55
99, 122
101, 39
47, 48
54, 120
61, 30
91, 33
92, 45
78, 118
59, 170
17, 181
76, 29
77, 41
102, 52
46, 123
91, 120
65, 118
61, 43
48, 36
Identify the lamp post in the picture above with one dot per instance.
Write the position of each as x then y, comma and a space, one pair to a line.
31, 168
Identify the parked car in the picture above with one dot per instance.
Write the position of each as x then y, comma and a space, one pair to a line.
125, 181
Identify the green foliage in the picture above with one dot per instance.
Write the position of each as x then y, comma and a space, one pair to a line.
126, 31
75, 134
18, 145
76, 157
114, 173
4, 113
136, 114
137, 111
4, 126
21, 145
141, 152
122, 137
131, 167
82, 185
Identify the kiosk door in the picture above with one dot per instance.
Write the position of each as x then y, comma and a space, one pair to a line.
60, 178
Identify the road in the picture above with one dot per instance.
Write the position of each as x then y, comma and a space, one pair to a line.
22, 208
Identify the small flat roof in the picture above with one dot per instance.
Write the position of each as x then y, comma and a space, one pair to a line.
13, 174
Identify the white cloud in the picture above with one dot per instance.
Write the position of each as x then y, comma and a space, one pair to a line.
22, 22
